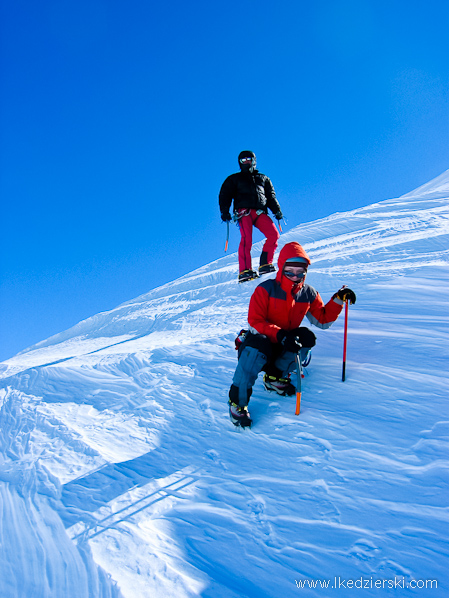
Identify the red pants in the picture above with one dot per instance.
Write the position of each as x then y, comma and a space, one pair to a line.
266, 226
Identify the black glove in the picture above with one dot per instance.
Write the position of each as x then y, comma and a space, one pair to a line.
226, 216
294, 340
346, 294
279, 215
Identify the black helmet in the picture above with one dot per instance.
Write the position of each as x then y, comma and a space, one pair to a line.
245, 164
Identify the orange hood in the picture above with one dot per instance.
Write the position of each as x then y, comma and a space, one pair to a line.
289, 251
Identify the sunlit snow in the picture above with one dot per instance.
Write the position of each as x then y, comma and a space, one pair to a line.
122, 476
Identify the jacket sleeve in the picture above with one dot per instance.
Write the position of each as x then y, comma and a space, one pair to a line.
270, 194
258, 312
323, 316
226, 195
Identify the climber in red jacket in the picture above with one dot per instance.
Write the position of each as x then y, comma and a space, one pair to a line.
276, 311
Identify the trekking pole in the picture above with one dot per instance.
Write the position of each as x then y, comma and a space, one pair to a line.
227, 236
279, 224
345, 342
298, 382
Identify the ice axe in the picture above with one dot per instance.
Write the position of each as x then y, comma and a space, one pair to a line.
280, 226
227, 236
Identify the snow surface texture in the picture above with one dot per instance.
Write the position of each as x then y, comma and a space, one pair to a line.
122, 476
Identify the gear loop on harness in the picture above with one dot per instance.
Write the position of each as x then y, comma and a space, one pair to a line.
241, 213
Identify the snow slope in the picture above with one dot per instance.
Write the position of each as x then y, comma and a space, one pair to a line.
122, 476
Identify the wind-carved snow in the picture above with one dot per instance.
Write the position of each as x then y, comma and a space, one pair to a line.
122, 475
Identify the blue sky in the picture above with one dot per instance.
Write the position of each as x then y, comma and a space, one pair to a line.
120, 121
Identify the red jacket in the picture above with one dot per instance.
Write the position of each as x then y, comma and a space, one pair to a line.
281, 304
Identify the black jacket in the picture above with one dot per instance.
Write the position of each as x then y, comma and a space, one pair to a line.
252, 190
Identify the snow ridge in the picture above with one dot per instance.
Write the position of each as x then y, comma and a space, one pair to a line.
122, 476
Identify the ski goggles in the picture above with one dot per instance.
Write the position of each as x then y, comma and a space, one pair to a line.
297, 275
246, 160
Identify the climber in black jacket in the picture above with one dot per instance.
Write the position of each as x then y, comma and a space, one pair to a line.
253, 193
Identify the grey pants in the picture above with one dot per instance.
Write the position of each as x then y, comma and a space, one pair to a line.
256, 355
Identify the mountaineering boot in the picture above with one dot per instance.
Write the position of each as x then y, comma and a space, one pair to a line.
264, 266
239, 415
246, 275
266, 269
282, 386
